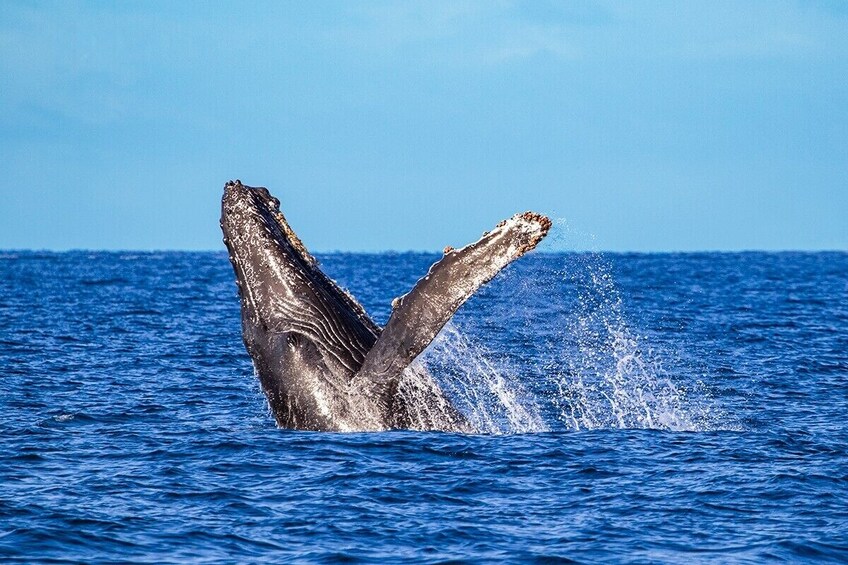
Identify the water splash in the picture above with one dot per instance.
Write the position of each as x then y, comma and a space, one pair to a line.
592, 372
491, 396
605, 376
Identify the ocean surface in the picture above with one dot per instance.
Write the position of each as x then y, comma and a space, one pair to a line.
632, 408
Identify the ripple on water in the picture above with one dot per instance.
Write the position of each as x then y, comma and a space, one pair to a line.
134, 429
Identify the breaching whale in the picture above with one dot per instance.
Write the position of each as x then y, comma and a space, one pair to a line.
321, 361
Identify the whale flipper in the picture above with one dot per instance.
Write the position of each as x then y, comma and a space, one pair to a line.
418, 316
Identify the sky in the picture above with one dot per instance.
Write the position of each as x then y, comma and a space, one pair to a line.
639, 126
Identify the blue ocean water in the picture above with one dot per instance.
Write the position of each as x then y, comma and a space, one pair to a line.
632, 408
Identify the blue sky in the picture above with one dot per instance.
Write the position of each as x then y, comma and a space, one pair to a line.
649, 125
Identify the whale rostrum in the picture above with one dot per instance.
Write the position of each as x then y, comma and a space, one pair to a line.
321, 361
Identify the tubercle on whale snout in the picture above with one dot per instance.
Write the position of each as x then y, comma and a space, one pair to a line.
259, 194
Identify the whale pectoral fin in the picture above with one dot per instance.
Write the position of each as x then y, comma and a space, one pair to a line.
418, 316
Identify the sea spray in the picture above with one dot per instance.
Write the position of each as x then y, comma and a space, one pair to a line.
605, 376
491, 396
591, 372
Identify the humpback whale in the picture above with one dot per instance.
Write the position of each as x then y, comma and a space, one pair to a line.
321, 360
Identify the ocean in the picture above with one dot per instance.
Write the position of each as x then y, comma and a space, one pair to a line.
632, 408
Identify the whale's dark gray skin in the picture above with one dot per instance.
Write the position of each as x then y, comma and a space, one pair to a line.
321, 361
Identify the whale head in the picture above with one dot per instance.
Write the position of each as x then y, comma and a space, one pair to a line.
270, 262
306, 336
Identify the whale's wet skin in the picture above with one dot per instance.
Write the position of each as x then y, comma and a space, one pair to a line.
323, 363
647, 408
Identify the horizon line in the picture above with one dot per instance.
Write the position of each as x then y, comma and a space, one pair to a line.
429, 251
